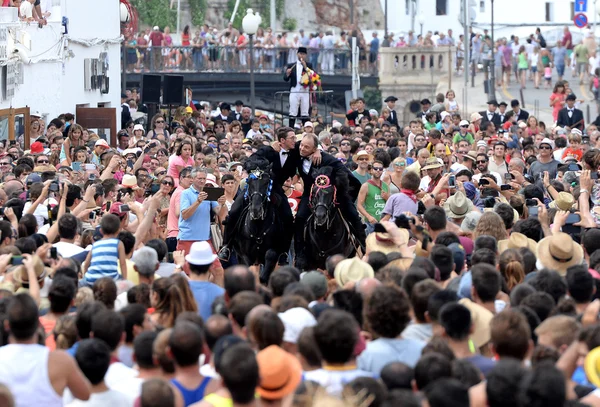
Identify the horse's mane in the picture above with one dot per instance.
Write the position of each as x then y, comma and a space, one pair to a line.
254, 162
337, 178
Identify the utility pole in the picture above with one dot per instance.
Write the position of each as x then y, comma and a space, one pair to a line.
385, 23
466, 43
352, 12
413, 11
493, 67
273, 19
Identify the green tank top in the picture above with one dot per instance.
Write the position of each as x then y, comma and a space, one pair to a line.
374, 203
523, 61
546, 61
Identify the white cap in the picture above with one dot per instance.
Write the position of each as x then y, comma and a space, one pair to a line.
547, 141
156, 28
463, 123
295, 320
138, 127
201, 254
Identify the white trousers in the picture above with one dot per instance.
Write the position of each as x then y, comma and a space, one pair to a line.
299, 99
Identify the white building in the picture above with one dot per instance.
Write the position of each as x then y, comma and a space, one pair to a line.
52, 71
518, 17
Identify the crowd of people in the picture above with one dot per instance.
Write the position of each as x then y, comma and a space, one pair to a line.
474, 283
213, 49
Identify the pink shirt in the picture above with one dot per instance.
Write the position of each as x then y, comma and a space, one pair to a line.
172, 219
177, 160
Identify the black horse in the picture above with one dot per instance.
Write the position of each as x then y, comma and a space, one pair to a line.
326, 232
259, 228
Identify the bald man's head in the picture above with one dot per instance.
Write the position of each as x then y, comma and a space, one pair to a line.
216, 327
366, 286
237, 279
13, 188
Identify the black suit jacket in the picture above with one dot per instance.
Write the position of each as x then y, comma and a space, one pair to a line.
523, 115
495, 119
281, 174
393, 119
292, 79
331, 161
575, 121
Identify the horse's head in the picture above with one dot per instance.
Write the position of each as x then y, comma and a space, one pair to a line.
258, 191
322, 198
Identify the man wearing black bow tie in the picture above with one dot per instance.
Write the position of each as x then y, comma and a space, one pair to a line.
390, 101
283, 166
307, 148
490, 115
570, 116
299, 95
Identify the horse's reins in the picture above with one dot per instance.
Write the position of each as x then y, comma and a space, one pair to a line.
256, 174
322, 182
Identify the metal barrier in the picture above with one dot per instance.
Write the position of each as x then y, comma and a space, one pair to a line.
318, 98
234, 59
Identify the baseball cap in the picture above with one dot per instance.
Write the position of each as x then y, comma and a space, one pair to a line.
317, 283
32, 178
294, 321
138, 127
459, 255
463, 123
36, 148
101, 143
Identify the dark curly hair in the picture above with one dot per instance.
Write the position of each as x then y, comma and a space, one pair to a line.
388, 311
105, 291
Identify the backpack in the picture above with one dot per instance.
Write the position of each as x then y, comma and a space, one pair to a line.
542, 42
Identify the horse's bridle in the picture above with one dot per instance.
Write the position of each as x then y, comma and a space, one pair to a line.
323, 182
257, 174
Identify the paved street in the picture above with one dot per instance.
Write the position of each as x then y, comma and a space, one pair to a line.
536, 101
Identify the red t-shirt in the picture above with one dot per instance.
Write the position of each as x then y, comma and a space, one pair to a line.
569, 38
156, 38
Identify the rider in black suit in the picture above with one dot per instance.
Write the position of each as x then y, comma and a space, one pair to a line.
289, 156
307, 148
570, 116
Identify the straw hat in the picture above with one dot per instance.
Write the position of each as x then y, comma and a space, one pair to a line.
383, 242
481, 319
41, 271
476, 116
280, 373
564, 201
559, 252
516, 241
352, 270
432, 163
362, 153
472, 155
458, 206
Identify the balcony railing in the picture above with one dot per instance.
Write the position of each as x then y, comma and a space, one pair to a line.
394, 62
233, 59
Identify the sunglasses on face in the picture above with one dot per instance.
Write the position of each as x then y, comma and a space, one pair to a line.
419, 140
160, 121
363, 159
400, 164
545, 148
345, 144
377, 168
359, 132
169, 183
481, 161
247, 148
226, 143
43, 161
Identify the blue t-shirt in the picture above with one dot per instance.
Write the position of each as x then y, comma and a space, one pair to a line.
382, 351
375, 45
197, 226
205, 293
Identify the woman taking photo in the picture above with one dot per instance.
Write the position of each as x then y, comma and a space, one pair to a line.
158, 127
182, 159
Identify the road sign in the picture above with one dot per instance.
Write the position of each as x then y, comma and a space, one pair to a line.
580, 20
580, 6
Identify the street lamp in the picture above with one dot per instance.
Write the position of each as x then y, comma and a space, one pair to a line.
493, 67
421, 20
250, 25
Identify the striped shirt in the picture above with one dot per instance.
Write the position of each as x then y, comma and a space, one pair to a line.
105, 258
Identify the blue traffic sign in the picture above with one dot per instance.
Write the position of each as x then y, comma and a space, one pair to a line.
580, 20
580, 6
